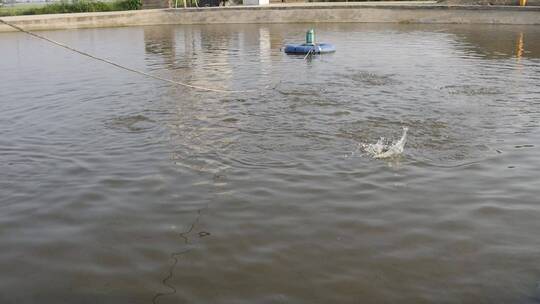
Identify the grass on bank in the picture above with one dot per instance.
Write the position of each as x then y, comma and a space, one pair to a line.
76, 6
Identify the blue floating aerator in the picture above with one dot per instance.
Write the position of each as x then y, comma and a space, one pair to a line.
317, 48
310, 46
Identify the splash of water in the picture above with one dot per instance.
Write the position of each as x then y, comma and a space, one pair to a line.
385, 149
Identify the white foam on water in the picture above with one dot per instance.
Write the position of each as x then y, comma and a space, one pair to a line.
384, 149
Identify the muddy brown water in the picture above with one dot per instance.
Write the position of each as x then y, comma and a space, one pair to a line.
115, 188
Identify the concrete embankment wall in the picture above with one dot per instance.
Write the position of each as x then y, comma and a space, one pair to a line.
306, 13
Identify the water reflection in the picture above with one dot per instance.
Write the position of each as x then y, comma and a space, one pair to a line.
182, 46
501, 41
519, 46
161, 41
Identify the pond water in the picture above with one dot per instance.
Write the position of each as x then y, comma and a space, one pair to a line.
115, 188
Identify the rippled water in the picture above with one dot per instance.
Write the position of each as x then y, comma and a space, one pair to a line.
120, 189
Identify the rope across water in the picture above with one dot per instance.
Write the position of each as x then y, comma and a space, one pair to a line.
119, 65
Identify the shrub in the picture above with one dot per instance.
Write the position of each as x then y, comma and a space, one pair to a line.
127, 5
76, 6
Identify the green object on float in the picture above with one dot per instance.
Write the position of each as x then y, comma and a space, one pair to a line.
310, 36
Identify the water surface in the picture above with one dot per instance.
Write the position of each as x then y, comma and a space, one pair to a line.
116, 188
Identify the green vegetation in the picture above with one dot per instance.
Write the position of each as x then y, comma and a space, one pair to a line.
75, 6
